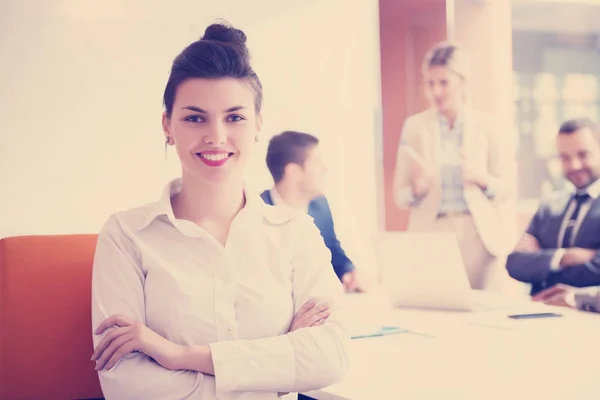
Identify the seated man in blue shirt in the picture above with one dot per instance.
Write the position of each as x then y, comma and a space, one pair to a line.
298, 170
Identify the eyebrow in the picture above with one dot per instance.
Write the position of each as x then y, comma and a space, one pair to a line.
199, 110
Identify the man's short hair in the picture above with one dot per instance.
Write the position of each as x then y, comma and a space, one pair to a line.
288, 147
573, 125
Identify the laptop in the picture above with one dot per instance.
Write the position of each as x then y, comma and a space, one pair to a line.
424, 270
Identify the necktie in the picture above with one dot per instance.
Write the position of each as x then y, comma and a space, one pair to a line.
579, 199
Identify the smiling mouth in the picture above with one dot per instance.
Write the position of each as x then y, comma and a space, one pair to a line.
214, 156
578, 173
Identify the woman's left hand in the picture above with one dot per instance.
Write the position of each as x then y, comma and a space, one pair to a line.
129, 336
310, 314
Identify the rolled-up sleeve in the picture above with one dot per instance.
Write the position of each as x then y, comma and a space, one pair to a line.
117, 288
306, 359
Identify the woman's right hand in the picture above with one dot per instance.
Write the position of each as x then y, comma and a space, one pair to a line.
421, 173
421, 181
420, 186
310, 314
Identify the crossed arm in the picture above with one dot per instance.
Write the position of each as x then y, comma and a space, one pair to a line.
152, 367
530, 263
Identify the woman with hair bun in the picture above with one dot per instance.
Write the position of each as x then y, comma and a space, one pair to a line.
454, 170
208, 292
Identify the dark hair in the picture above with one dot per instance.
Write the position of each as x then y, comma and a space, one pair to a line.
573, 125
220, 53
288, 147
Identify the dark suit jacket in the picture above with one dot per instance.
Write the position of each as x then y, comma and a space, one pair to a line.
321, 213
534, 268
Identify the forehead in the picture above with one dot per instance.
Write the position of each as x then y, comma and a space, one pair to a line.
582, 138
214, 95
439, 72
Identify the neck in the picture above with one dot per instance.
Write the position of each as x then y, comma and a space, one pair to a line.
451, 114
199, 202
292, 195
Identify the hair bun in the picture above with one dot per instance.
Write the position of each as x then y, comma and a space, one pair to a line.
225, 34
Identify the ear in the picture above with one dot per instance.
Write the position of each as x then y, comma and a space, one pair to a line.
166, 124
258, 127
259, 122
292, 170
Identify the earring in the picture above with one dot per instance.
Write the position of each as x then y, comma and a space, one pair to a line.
167, 143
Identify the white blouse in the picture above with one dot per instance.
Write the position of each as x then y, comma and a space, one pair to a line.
240, 299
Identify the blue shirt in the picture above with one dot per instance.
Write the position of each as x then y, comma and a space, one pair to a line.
321, 213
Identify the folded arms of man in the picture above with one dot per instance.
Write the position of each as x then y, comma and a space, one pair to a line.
530, 263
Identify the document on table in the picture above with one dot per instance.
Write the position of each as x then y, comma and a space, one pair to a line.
375, 331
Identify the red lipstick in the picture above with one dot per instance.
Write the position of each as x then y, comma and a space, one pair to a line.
214, 158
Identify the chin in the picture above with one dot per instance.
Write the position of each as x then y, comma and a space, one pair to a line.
212, 178
581, 185
319, 193
581, 181
441, 106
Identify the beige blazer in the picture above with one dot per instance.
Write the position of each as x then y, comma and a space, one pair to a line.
487, 150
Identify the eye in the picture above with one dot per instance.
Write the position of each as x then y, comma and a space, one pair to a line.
235, 118
195, 119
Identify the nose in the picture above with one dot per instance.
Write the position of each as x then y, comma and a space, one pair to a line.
436, 91
576, 164
216, 134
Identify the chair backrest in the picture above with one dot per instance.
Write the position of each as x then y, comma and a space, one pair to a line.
45, 318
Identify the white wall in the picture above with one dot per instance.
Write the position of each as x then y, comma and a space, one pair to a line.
81, 85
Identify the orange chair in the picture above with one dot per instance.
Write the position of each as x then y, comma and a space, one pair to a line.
45, 318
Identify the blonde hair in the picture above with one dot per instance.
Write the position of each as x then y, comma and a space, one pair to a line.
448, 55
453, 57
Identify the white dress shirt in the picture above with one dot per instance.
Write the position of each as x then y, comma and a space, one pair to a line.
239, 298
594, 192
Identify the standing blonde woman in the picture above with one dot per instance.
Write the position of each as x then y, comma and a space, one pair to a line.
453, 169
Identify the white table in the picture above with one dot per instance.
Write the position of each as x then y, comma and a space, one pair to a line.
481, 355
